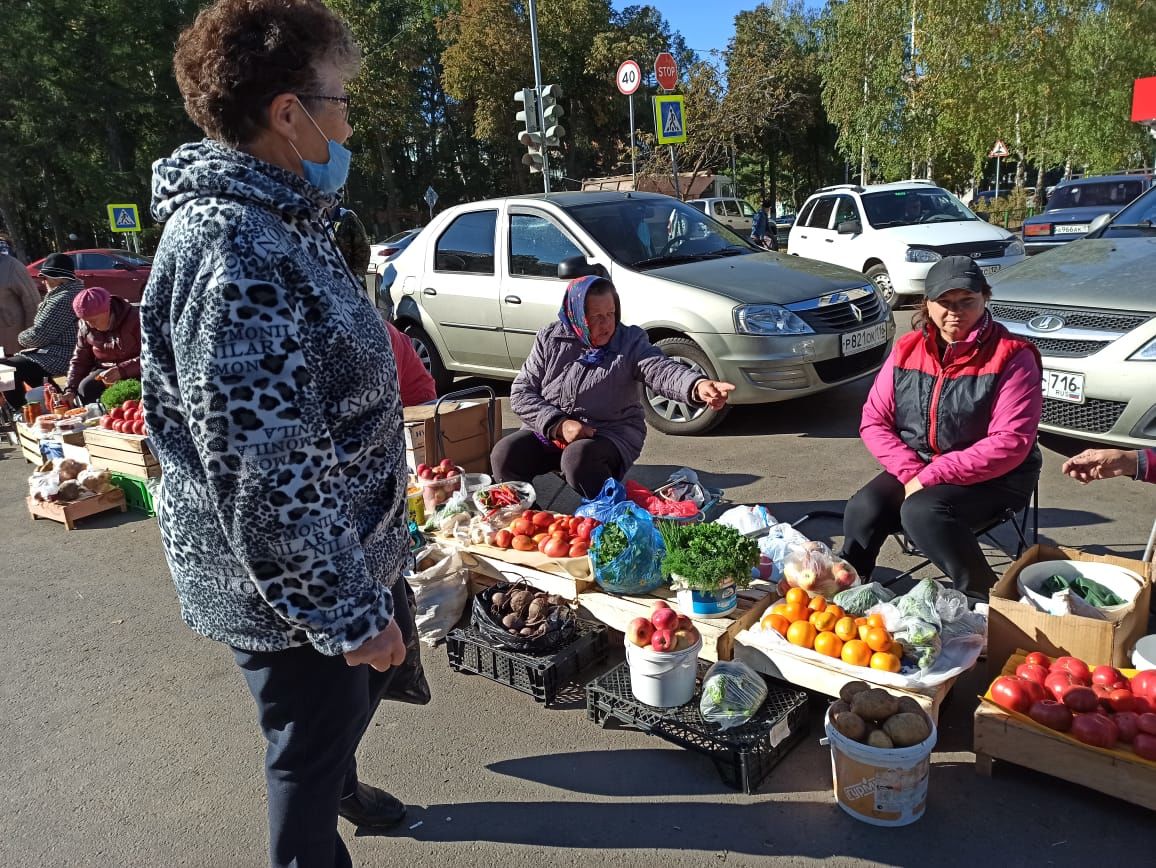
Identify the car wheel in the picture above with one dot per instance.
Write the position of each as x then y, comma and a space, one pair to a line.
423, 345
878, 275
678, 417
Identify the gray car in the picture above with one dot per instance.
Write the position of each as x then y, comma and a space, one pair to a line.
1090, 308
476, 286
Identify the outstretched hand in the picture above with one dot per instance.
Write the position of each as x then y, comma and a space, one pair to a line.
713, 393
1093, 464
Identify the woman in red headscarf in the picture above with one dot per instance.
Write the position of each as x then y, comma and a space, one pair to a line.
578, 398
107, 344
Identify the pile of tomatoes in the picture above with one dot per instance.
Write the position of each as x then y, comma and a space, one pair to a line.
812, 622
1100, 707
553, 534
128, 418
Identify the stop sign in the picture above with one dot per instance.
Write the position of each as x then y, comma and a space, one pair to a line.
665, 71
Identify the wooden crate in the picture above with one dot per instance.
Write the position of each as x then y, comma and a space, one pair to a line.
718, 634
554, 581
29, 440
69, 513
785, 666
127, 454
999, 736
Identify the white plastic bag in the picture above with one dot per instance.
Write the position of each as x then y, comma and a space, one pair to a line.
441, 592
777, 544
747, 519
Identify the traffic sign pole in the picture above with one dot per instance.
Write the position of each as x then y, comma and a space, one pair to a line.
538, 92
633, 156
628, 78
997, 177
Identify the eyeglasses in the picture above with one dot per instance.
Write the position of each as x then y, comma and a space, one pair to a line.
964, 305
344, 100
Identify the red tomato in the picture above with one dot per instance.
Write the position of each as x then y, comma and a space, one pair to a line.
561, 535
1147, 723
529, 514
1039, 658
1036, 691
1127, 724
1109, 676
522, 527
1075, 667
543, 520
1082, 700
1052, 714
1144, 684
1121, 700
116, 413
140, 427
556, 548
130, 404
585, 530
1096, 730
1059, 683
1032, 672
1145, 745
579, 549
522, 543
503, 539
1011, 692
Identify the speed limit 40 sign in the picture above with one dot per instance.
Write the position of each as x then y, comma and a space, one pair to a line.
629, 76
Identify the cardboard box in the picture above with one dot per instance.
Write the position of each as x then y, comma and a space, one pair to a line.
465, 430
1013, 625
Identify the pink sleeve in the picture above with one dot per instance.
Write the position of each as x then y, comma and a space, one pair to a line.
877, 428
1011, 433
417, 386
1147, 464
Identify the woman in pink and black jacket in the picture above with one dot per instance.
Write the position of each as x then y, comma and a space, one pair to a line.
952, 417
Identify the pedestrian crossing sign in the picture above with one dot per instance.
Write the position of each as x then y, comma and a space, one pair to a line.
123, 218
670, 119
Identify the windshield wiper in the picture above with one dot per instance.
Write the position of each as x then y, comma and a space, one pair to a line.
677, 258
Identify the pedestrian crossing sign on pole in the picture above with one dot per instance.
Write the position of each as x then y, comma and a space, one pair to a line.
670, 119
123, 218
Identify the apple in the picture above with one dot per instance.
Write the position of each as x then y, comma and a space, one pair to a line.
684, 623
639, 632
662, 640
446, 464
658, 604
664, 619
683, 640
422, 469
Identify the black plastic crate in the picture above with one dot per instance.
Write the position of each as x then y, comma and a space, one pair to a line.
539, 676
743, 755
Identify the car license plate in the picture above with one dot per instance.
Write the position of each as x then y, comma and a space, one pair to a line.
864, 339
1070, 228
990, 269
1064, 386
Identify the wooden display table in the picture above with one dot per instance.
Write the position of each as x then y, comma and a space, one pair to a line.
69, 513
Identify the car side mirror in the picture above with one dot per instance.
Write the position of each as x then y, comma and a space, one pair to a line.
579, 266
1099, 223
850, 227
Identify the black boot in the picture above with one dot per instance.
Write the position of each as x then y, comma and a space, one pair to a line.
371, 808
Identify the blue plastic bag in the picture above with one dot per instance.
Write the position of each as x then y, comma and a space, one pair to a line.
613, 494
638, 570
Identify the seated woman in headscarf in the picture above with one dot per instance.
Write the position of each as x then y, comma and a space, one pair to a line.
578, 398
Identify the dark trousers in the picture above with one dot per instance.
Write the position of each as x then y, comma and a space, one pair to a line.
28, 373
313, 711
586, 464
90, 388
941, 521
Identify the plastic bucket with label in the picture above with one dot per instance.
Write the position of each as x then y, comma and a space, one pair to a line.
883, 787
664, 679
718, 603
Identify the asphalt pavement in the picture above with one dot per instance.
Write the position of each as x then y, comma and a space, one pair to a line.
129, 740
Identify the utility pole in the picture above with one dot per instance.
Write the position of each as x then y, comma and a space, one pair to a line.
538, 89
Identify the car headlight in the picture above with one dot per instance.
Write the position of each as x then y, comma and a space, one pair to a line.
915, 254
1146, 353
1016, 248
769, 319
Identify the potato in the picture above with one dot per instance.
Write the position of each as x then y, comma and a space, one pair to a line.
875, 704
906, 729
907, 704
878, 738
838, 707
851, 688
850, 724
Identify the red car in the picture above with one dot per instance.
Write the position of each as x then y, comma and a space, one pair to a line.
119, 271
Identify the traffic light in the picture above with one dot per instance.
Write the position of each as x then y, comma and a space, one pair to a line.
531, 135
551, 115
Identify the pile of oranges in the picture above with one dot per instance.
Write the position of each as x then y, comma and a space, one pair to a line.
812, 622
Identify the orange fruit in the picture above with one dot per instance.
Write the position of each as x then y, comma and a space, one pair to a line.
862, 630
859, 622
878, 639
796, 612
836, 610
802, 633
798, 595
779, 609
776, 622
885, 662
817, 604
830, 644
875, 620
845, 628
856, 653
823, 621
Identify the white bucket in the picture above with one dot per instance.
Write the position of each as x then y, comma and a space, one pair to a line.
664, 679
883, 787
718, 603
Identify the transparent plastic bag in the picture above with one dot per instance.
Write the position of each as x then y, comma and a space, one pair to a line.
777, 544
732, 693
454, 512
638, 568
747, 519
857, 600
816, 570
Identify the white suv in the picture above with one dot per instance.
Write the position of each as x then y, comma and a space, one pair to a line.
894, 232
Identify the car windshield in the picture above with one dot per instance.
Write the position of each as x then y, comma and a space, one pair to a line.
1137, 218
912, 206
1106, 194
135, 260
651, 233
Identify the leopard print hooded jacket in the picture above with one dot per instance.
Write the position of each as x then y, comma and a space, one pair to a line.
271, 401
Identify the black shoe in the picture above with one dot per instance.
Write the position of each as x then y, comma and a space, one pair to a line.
371, 808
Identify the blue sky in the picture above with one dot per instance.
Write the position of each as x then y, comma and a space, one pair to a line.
705, 24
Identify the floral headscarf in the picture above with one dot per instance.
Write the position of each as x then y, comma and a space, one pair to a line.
573, 316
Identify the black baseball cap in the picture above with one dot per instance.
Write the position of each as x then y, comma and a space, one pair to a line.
954, 272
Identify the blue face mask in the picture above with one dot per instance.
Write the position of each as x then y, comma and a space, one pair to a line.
329, 177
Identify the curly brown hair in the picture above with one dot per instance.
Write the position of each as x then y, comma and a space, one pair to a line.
240, 54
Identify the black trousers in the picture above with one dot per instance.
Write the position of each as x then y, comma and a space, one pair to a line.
940, 520
90, 388
313, 711
586, 464
28, 373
